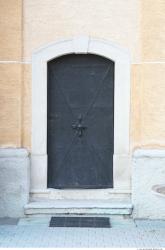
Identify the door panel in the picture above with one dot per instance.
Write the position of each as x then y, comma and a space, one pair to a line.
80, 122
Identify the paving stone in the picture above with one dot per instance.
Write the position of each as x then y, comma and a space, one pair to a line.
8, 221
150, 224
36, 233
34, 221
120, 222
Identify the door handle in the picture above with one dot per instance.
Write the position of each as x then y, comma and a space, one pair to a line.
78, 127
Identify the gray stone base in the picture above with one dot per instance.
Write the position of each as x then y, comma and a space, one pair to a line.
14, 182
148, 170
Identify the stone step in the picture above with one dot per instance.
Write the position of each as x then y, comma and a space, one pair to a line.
52, 207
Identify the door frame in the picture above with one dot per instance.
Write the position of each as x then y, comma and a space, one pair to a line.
81, 45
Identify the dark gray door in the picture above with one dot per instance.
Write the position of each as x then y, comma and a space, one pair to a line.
80, 122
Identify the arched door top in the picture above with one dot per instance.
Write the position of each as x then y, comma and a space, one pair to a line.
81, 45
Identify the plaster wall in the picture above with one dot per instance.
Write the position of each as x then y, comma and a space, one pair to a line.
137, 25
153, 30
148, 77
46, 22
11, 30
148, 106
14, 182
10, 103
10, 73
134, 24
114, 20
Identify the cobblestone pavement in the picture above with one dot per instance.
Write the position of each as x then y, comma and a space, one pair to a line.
34, 232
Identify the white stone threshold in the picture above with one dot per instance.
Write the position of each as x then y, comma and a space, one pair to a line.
50, 207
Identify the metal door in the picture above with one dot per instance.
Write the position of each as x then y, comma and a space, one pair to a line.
80, 119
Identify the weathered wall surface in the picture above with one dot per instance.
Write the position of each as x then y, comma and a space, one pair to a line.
11, 30
148, 105
153, 30
148, 171
14, 182
10, 72
26, 106
148, 77
115, 20
10, 103
46, 22
137, 25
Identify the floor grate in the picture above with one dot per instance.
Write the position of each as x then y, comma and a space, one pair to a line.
95, 222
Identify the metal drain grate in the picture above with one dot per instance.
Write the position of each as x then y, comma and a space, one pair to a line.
95, 222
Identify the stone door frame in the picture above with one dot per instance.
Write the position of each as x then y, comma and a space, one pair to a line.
81, 45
